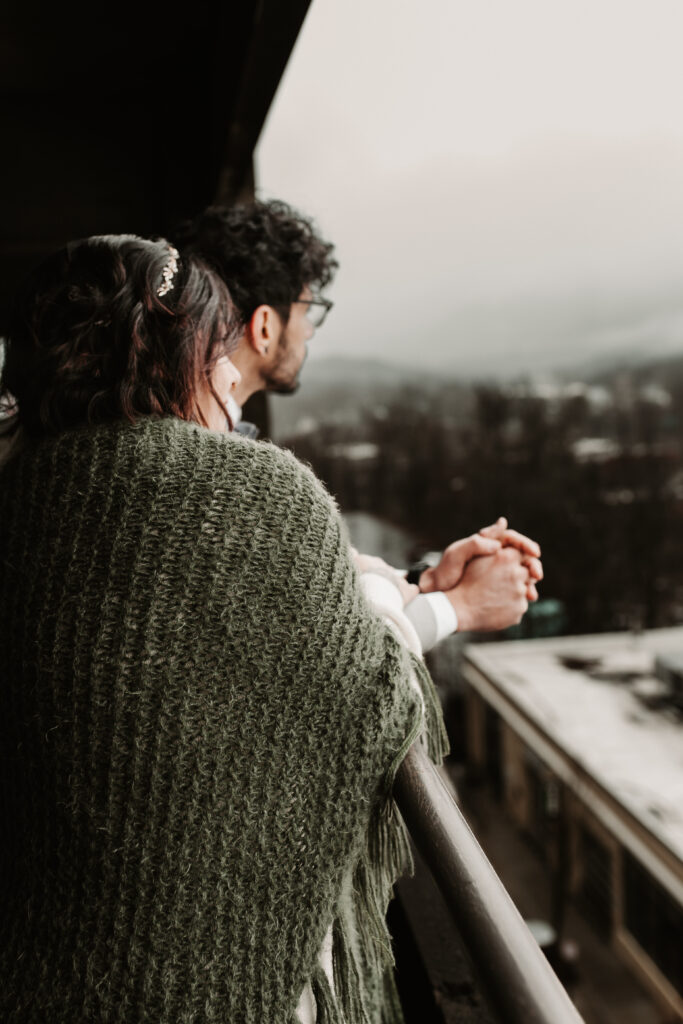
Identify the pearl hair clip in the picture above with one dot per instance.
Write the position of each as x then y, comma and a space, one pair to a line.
169, 272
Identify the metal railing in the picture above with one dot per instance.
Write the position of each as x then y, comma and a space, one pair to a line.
518, 981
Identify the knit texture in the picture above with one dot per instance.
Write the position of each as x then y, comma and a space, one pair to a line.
200, 721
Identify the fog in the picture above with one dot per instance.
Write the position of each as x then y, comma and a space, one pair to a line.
504, 183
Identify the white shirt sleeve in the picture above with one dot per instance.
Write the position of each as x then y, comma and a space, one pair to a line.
433, 618
386, 598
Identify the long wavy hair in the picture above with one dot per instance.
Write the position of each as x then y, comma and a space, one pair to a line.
91, 339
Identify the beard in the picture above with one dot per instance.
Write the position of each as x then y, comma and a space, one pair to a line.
280, 386
283, 376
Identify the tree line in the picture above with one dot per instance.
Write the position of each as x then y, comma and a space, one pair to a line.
608, 514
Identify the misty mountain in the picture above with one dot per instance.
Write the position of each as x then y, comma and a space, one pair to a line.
345, 389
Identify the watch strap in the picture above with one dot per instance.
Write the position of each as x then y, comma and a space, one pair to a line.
415, 571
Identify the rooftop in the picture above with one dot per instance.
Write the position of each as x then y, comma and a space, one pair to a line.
598, 700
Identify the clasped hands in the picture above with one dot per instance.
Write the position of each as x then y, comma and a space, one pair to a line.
490, 578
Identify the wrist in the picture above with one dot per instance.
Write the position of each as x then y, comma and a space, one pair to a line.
461, 608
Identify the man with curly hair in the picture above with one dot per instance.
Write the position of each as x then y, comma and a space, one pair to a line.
277, 266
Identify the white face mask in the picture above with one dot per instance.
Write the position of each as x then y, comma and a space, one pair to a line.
234, 409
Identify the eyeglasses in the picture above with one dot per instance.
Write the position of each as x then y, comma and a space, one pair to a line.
316, 316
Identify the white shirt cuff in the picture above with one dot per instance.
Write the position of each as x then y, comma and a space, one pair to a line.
387, 600
433, 617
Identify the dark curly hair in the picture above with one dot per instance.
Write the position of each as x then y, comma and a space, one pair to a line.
91, 339
266, 252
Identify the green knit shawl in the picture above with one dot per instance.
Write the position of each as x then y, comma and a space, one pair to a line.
201, 718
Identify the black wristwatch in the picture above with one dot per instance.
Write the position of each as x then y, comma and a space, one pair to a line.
415, 571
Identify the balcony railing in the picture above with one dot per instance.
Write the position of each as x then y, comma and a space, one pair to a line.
518, 981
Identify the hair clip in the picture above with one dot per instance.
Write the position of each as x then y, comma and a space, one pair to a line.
169, 272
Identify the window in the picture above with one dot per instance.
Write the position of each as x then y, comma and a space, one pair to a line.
654, 919
595, 894
494, 763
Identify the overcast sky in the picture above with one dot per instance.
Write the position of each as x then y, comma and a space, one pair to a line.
503, 180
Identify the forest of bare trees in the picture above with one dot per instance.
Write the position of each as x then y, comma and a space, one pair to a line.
599, 485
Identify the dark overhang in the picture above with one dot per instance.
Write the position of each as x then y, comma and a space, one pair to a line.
122, 118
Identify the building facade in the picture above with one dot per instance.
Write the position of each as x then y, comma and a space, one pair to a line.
581, 739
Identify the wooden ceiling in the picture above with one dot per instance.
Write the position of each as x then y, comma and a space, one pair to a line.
124, 118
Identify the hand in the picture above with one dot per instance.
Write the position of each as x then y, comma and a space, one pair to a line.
529, 549
493, 592
371, 563
511, 538
448, 573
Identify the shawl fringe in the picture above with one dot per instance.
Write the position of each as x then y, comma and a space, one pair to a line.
347, 975
327, 1008
434, 728
388, 855
392, 1011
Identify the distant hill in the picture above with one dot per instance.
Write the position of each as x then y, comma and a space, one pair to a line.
667, 370
344, 389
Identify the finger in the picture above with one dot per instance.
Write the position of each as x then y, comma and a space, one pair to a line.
520, 610
496, 529
535, 568
427, 581
517, 540
454, 561
477, 545
512, 555
531, 592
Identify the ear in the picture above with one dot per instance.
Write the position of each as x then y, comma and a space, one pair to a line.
263, 329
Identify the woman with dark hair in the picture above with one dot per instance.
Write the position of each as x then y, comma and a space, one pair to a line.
201, 715
114, 327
